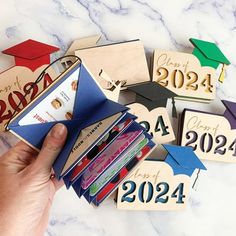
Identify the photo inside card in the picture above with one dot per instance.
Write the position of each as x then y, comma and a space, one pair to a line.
58, 105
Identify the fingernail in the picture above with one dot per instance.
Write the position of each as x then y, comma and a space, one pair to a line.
58, 131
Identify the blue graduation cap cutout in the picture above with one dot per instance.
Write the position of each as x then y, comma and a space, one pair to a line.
183, 160
90, 107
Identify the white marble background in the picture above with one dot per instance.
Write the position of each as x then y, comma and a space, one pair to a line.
165, 24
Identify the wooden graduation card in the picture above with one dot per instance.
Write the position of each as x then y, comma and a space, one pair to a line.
190, 76
124, 62
160, 184
112, 89
212, 136
31, 58
150, 108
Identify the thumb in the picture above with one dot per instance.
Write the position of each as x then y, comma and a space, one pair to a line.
52, 146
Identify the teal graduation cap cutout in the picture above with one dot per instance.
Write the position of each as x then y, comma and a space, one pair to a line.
209, 54
183, 160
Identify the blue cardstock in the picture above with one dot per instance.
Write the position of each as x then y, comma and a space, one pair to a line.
183, 160
90, 107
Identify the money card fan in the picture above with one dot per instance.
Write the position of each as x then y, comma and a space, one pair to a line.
161, 182
76, 100
98, 182
212, 136
101, 183
107, 140
191, 76
116, 151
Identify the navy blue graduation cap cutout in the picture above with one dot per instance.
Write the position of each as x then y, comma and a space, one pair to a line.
153, 95
90, 107
183, 160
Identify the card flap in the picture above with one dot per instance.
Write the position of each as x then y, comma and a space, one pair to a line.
90, 107
77, 186
27, 132
88, 95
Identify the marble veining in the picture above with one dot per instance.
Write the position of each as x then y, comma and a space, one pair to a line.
164, 24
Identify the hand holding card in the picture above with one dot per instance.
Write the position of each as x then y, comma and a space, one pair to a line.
77, 101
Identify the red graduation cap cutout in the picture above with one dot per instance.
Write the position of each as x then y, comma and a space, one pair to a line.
31, 54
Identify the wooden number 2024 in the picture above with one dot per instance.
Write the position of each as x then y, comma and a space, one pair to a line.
160, 126
16, 97
206, 142
178, 79
161, 188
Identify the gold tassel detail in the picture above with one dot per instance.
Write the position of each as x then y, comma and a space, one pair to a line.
222, 74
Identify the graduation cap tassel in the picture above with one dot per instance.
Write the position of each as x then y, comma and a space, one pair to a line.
174, 111
195, 181
222, 74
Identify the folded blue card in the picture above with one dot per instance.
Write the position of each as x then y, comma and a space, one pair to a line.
76, 100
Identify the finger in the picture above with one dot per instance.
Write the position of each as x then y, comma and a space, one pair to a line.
52, 146
57, 183
23, 148
19, 157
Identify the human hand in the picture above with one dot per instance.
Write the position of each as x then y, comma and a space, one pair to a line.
27, 185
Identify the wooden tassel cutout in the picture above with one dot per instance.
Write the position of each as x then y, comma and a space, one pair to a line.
112, 85
113, 90
222, 74
174, 111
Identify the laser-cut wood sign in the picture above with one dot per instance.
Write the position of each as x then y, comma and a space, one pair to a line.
112, 88
212, 136
160, 185
31, 58
191, 76
183, 74
124, 62
156, 122
154, 187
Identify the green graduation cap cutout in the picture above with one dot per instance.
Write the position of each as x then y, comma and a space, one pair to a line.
209, 54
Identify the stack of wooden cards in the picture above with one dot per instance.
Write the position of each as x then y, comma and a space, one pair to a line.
125, 61
104, 142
